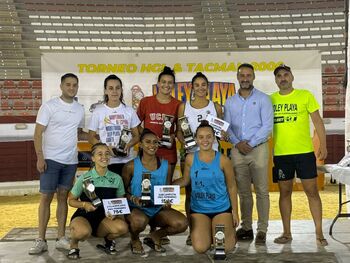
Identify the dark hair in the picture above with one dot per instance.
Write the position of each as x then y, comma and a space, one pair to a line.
245, 65
142, 136
93, 150
113, 77
205, 124
69, 75
199, 75
166, 71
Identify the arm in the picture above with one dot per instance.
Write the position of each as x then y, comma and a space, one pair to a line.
92, 137
230, 179
185, 179
179, 133
321, 132
135, 138
228, 118
218, 109
82, 136
38, 144
266, 116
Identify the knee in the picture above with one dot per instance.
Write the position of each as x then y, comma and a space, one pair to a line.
62, 195
80, 233
120, 229
181, 225
200, 247
138, 224
312, 194
286, 193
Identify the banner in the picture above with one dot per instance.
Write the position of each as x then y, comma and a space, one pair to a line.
139, 72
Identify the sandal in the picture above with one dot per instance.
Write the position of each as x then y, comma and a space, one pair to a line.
137, 248
73, 253
283, 239
155, 246
321, 242
165, 240
189, 240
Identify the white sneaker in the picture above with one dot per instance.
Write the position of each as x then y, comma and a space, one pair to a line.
62, 243
40, 246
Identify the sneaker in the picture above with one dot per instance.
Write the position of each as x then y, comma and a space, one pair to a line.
40, 245
260, 238
110, 247
244, 234
62, 243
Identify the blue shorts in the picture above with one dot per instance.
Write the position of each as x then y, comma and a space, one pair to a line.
286, 166
57, 175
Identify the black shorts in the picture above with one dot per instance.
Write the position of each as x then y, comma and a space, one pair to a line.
285, 166
116, 168
212, 215
94, 217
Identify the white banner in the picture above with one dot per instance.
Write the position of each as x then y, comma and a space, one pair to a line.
139, 72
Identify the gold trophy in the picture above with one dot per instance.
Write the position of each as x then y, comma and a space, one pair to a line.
219, 253
146, 189
166, 138
186, 131
124, 139
89, 190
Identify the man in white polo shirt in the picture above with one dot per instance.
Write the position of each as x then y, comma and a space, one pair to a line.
58, 125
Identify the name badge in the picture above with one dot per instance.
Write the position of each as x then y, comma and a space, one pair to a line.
166, 194
116, 206
217, 124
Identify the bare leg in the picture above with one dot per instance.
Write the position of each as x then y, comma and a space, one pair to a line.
80, 230
44, 213
315, 204
201, 234
61, 212
230, 232
285, 204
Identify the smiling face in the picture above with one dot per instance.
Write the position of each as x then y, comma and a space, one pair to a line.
113, 91
149, 144
166, 84
101, 156
69, 88
245, 78
205, 138
284, 80
200, 87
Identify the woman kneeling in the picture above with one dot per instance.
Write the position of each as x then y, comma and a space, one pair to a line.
213, 192
89, 219
168, 220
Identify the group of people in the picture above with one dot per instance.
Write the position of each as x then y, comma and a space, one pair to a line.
211, 193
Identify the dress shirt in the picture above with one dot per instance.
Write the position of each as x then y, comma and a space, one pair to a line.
251, 118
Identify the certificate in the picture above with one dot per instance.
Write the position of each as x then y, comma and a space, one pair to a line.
166, 194
116, 206
217, 124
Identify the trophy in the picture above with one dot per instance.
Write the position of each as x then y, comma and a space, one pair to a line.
146, 189
123, 141
167, 122
219, 253
186, 130
89, 190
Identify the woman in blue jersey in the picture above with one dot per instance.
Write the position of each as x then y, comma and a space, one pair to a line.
168, 220
213, 192
89, 219
196, 109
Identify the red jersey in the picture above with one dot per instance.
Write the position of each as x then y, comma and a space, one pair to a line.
150, 112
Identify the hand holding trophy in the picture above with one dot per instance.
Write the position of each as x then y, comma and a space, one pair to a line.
89, 190
187, 133
125, 137
146, 189
166, 139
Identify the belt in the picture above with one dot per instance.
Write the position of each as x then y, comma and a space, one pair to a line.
259, 144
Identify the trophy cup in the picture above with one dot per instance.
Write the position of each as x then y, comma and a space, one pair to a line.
167, 122
219, 253
186, 130
89, 190
146, 189
123, 141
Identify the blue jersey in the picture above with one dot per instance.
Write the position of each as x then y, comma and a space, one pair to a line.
158, 177
209, 192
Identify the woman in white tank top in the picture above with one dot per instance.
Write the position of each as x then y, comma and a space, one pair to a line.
196, 110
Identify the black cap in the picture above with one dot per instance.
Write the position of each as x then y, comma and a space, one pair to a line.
281, 66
